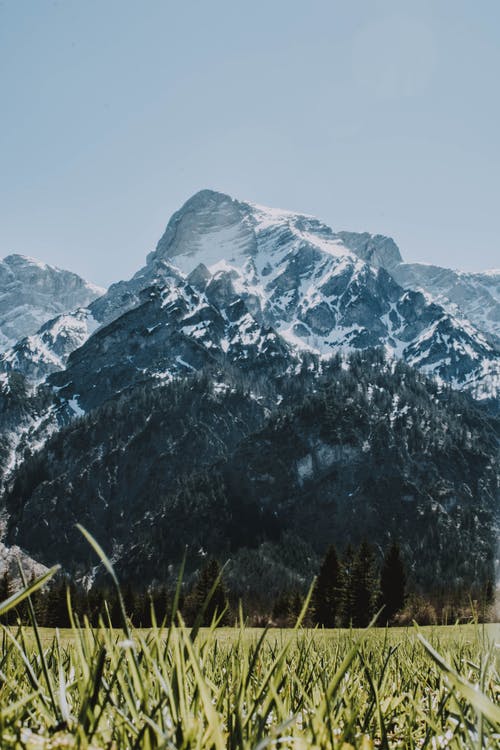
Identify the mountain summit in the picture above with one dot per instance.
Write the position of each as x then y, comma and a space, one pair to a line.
213, 223
321, 291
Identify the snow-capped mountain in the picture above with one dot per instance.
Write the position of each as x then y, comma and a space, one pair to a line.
179, 328
309, 282
31, 293
319, 290
204, 396
47, 350
475, 296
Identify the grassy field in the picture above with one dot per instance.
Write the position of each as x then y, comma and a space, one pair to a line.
244, 688
444, 636
195, 689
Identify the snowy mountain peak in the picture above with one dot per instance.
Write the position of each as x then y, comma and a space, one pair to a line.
471, 295
17, 260
32, 292
208, 227
22, 265
213, 228
319, 290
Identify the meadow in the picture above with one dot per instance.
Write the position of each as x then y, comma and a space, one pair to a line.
246, 688
226, 688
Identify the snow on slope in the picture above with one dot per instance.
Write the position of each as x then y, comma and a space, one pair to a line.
305, 280
32, 292
475, 296
321, 290
48, 349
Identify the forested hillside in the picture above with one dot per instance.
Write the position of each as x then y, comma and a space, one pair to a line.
364, 448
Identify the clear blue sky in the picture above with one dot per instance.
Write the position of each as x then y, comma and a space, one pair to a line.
379, 116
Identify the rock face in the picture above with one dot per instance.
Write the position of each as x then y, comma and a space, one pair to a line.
31, 293
319, 290
375, 249
48, 349
10, 557
474, 296
323, 290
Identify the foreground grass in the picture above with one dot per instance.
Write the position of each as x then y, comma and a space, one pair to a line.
244, 688
195, 689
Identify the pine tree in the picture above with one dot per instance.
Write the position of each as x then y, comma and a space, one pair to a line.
96, 599
4, 594
294, 608
346, 590
326, 590
39, 602
281, 607
364, 584
142, 609
56, 607
392, 583
130, 604
161, 603
489, 592
22, 610
199, 597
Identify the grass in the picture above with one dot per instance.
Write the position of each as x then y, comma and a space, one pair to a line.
241, 688
191, 688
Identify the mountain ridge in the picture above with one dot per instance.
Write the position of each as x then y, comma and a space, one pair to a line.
295, 274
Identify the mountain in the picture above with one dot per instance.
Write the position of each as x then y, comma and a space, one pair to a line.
308, 282
295, 275
31, 293
256, 390
475, 296
177, 330
47, 350
268, 471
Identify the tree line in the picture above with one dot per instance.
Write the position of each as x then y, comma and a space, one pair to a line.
349, 590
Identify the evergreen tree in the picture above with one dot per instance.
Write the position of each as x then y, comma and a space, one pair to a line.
5, 592
114, 608
39, 603
326, 591
281, 607
489, 592
142, 609
96, 601
364, 584
294, 608
22, 610
130, 603
346, 591
392, 583
56, 607
162, 604
199, 597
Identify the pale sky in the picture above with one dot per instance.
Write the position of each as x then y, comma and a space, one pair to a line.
378, 116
